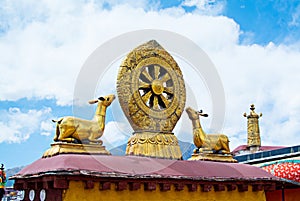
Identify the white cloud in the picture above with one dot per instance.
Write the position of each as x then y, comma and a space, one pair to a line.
17, 126
208, 7
115, 134
43, 53
295, 17
268, 77
47, 127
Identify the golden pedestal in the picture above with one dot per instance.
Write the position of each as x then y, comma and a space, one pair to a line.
213, 157
154, 144
71, 148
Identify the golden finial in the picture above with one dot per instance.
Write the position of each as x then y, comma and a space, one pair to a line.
253, 128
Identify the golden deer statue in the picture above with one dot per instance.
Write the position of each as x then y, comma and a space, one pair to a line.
218, 143
76, 130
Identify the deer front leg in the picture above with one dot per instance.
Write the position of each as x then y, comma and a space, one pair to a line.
99, 142
94, 134
92, 139
223, 145
66, 133
69, 139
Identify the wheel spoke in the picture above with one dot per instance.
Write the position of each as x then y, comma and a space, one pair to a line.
146, 97
144, 85
151, 71
169, 90
156, 71
155, 103
156, 87
147, 76
164, 100
165, 78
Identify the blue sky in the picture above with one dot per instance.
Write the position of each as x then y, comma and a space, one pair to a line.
253, 44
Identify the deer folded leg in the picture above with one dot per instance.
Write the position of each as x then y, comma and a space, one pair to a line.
66, 134
224, 152
96, 142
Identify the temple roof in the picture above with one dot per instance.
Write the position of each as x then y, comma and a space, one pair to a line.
261, 148
142, 167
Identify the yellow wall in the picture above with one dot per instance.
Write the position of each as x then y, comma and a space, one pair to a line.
76, 191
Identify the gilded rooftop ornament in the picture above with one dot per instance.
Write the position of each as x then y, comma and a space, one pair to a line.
151, 93
253, 128
213, 147
72, 129
218, 143
80, 136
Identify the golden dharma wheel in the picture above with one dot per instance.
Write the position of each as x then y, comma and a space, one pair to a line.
151, 89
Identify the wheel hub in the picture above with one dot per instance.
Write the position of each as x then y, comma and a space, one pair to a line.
157, 87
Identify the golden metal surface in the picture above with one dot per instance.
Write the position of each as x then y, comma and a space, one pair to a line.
253, 127
151, 93
72, 129
151, 89
212, 157
72, 148
206, 143
160, 145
